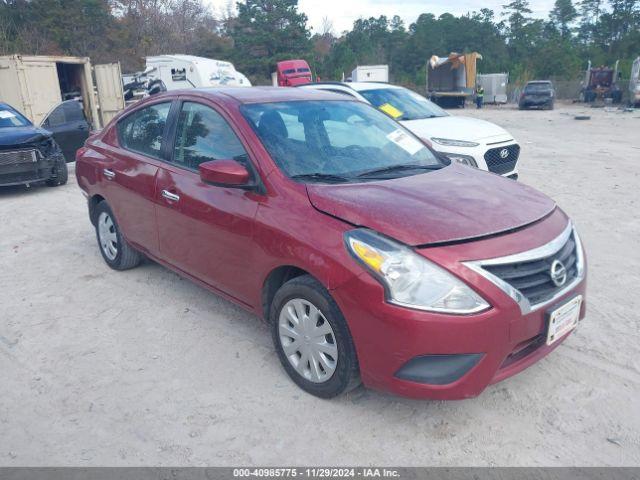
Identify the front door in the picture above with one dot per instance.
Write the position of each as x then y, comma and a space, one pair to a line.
205, 230
69, 127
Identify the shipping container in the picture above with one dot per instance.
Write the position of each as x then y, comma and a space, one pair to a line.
35, 85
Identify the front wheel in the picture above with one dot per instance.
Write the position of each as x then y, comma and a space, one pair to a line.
312, 339
115, 250
60, 173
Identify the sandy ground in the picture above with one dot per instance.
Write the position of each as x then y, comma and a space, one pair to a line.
145, 368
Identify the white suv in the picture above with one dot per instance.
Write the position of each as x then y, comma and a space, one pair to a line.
465, 140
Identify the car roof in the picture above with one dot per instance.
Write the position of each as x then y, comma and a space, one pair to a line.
538, 81
254, 94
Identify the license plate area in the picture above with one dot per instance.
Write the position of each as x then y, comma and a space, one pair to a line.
562, 319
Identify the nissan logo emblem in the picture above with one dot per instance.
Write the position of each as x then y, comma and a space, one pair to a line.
558, 273
504, 153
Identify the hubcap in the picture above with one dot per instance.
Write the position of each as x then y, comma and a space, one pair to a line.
308, 340
107, 236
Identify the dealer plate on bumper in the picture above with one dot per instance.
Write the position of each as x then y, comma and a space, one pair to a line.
563, 319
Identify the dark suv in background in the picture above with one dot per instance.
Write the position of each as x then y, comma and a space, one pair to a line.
539, 94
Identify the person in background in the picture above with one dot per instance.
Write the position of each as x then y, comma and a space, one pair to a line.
479, 96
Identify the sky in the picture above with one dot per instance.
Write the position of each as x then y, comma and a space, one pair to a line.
342, 13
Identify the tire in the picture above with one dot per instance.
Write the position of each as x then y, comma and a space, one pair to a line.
60, 173
116, 252
307, 292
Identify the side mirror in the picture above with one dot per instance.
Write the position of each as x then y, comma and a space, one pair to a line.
228, 173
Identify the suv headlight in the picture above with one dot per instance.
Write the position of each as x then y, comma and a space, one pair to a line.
454, 143
411, 280
462, 159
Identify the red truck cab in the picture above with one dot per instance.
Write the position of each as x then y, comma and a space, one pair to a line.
293, 72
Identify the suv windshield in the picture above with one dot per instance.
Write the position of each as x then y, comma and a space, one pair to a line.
402, 104
10, 118
337, 141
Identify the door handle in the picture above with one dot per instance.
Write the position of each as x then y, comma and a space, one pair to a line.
110, 174
172, 197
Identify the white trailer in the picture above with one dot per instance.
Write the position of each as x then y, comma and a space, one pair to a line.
187, 71
370, 73
634, 83
34, 85
495, 86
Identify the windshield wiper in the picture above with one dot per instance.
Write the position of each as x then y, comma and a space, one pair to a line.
398, 168
321, 177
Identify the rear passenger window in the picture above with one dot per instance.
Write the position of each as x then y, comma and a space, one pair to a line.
203, 135
142, 131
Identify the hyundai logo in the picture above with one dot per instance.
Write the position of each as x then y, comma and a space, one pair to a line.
558, 273
504, 153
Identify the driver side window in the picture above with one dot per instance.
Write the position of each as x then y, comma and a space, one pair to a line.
202, 135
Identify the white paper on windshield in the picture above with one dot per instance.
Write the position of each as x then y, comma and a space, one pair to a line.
6, 114
404, 141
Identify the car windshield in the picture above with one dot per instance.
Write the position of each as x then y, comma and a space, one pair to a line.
537, 87
11, 118
402, 104
337, 141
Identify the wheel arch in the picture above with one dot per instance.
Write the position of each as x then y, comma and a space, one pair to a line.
93, 203
274, 280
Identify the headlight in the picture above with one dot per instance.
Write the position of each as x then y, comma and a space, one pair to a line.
454, 143
463, 159
411, 280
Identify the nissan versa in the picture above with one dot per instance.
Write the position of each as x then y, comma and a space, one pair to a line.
372, 258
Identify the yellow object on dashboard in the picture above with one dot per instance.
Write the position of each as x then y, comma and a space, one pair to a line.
390, 110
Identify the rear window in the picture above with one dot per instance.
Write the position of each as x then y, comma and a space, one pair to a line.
289, 71
538, 87
143, 130
303, 70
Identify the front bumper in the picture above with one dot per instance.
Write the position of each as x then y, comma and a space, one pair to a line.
535, 101
21, 173
485, 348
479, 154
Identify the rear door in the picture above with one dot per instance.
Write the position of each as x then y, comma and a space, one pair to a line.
130, 172
205, 230
69, 127
110, 91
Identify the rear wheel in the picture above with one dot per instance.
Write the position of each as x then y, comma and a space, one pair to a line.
115, 250
312, 339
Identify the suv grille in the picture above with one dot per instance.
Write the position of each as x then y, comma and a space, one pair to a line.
533, 278
500, 162
18, 157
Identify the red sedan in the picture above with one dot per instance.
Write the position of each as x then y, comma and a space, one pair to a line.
372, 258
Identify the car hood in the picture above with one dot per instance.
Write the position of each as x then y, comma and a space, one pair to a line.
452, 204
16, 136
456, 128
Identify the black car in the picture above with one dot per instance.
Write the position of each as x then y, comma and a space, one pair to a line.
69, 127
539, 94
28, 154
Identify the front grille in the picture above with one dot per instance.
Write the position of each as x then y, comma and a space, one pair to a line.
533, 278
502, 159
15, 157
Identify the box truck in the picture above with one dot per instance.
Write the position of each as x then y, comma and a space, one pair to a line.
451, 80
